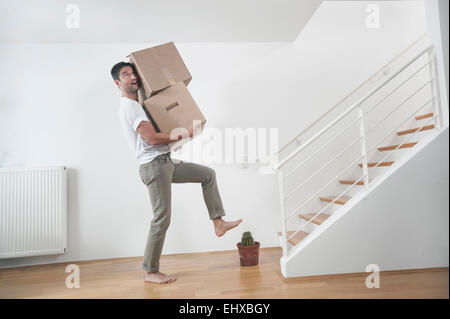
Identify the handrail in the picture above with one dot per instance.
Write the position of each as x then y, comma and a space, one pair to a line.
382, 100
351, 108
348, 95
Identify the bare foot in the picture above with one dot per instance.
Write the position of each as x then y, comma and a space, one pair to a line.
158, 277
221, 226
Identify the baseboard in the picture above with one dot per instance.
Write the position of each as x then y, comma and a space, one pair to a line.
365, 274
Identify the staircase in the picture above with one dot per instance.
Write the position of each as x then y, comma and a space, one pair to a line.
385, 128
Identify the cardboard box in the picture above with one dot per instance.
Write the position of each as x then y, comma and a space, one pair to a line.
160, 67
174, 108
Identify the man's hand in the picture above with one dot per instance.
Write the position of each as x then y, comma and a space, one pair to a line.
191, 130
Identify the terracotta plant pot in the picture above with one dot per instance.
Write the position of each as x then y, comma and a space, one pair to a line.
248, 254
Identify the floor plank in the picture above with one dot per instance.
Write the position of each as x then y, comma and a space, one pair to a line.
213, 275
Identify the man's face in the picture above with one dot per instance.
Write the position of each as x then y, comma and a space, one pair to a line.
128, 80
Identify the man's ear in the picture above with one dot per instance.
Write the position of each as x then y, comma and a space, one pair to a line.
117, 82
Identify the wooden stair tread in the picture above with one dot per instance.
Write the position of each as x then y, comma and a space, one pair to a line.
318, 220
424, 116
393, 147
341, 200
413, 130
297, 238
375, 164
350, 182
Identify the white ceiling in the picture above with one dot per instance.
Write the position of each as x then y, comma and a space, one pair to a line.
156, 20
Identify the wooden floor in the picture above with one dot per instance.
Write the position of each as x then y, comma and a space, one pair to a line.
213, 275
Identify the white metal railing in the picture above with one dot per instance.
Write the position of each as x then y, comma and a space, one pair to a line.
363, 157
362, 139
342, 131
351, 108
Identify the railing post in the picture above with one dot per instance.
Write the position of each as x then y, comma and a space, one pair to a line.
362, 134
434, 84
283, 217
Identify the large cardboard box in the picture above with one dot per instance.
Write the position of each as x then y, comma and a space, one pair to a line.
174, 108
159, 67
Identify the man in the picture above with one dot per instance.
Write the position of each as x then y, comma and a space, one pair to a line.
157, 171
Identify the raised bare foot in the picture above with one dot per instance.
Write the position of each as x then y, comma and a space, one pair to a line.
221, 226
158, 277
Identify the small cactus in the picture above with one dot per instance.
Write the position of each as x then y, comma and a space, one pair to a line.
247, 239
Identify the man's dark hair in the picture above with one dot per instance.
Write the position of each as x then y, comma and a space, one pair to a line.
115, 71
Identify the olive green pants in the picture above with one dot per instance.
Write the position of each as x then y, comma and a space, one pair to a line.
158, 175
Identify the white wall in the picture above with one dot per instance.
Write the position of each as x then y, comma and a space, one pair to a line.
437, 27
60, 108
444, 28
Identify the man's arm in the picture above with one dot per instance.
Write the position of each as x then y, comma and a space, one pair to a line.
148, 133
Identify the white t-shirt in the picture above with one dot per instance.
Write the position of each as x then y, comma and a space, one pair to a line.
131, 115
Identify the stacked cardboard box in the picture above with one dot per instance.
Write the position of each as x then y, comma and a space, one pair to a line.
163, 90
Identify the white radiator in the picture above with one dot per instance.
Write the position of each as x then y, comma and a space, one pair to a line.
33, 211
